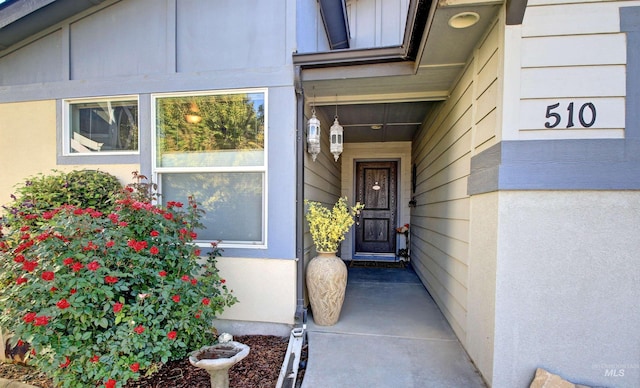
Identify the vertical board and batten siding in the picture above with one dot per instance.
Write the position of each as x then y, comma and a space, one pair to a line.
571, 53
461, 126
372, 23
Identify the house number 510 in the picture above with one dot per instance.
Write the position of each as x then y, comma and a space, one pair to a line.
586, 115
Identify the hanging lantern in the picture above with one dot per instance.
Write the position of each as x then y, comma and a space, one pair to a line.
313, 135
336, 132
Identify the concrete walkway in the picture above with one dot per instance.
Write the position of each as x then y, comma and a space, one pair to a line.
390, 334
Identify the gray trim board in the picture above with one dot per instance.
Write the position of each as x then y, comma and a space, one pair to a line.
598, 164
608, 164
630, 23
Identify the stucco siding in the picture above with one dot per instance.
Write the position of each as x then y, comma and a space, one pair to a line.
265, 288
567, 292
467, 123
27, 141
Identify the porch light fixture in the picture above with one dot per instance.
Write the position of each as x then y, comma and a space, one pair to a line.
464, 20
193, 115
336, 131
313, 134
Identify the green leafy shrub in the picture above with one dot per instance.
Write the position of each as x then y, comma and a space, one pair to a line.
81, 188
104, 297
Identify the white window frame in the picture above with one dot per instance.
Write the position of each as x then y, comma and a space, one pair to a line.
156, 171
67, 132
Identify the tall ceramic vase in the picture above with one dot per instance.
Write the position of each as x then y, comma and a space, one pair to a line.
326, 283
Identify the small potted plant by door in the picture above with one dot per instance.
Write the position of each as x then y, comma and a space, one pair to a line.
327, 273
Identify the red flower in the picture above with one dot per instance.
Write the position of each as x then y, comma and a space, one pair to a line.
223, 281
135, 367
65, 363
29, 265
90, 246
73, 291
117, 307
49, 215
176, 298
162, 273
20, 343
93, 266
196, 252
139, 329
77, 266
154, 233
194, 235
24, 228
21, 280
25, 236
168, 216
172, 335
110, 243
41, 321
19, 259
48, 276
67, 261
113, 217
137, 245
154, 250
206, 301
183, 231
110, 279
29, 317
111, 383
53, 289
197, 315
185, 278
194, 281
63, 304
123, 224
94, 359
78, 212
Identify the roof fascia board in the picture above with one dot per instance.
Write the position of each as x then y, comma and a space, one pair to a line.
515, 11
20, 9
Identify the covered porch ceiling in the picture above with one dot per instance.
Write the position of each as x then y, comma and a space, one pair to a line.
384, 94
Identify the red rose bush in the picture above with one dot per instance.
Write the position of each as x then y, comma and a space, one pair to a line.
104, 298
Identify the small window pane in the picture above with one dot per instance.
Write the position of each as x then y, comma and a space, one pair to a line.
232, 202
104, 126
211, 131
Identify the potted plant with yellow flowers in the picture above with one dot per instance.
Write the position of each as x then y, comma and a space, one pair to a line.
327, 273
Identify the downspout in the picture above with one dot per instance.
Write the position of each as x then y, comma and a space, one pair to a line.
301, 312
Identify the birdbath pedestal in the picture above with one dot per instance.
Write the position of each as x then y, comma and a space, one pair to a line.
218, 359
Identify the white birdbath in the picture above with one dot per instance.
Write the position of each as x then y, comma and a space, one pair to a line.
218, 359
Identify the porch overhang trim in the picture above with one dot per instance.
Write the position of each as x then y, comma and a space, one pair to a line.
586, 164
350, 57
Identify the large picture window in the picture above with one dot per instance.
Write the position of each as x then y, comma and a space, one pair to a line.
212, 146
102, 126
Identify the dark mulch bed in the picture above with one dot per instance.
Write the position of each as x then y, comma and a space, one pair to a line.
260, 369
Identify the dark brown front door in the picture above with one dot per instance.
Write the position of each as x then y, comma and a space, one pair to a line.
376, 187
